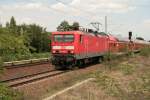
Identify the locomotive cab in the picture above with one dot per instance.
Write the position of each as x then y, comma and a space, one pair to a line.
77, 48
63, 44
63, 48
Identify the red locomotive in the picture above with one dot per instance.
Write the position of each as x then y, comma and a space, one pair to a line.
78, 47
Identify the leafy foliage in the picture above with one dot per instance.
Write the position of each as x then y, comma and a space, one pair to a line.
15, 46
1, 63
19, 41
64, 26
75, 26
127, 68
145, 52
9, 94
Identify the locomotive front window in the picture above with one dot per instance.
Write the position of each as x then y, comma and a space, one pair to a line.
58, 38
64, 38
68, 38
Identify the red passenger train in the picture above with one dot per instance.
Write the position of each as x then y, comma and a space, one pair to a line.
71, 48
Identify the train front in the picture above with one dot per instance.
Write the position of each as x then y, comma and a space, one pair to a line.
63, 49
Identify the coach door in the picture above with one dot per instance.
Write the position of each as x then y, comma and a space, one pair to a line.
86, 46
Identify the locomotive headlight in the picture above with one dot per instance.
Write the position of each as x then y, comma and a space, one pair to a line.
54, 51
72, 51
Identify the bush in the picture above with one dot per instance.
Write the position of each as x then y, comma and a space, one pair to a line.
127, 68
110, 85
41, 55
24, 56
109, 56
145, 52
9, 94
1, 64
111, 60
139, 88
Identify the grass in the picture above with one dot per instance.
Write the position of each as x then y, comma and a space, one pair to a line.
72, 79
140, 87
125, 79
145, 52
9, 94
16, 57
108, 84
1, 64
127, 68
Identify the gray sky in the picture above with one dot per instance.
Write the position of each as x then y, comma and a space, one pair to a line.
123, 15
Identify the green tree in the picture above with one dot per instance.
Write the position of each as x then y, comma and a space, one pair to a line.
23, 40
13, 26
7, 24
64, 26
75, 26
12, 22
38, 38
14, 48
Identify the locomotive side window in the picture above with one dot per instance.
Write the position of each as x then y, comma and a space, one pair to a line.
64, 38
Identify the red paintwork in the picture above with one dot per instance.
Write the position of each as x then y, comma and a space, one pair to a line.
90, 44
113, 44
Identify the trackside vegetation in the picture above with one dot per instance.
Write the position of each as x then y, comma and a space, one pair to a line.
20, 42
128, 78
23, 41
145, 52
5, 92
9, 94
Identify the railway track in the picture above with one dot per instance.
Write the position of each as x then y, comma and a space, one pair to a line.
14, 82
32, 78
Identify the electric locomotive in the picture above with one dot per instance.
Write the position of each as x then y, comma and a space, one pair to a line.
77, 48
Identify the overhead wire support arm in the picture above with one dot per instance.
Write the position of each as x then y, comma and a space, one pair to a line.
96, 25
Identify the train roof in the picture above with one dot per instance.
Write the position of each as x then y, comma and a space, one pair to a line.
99, 34
67, 32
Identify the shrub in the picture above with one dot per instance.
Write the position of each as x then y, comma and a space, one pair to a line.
110, 85
109, 56
1, 64
127, 69
139, 88
145, 52
9, 94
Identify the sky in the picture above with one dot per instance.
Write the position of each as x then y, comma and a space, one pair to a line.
123, 15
